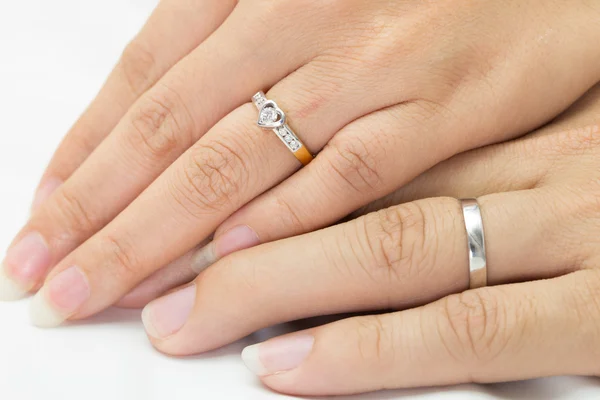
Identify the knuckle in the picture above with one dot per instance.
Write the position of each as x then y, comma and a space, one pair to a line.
375, 341
583, 205
574, 141
356, 164
72, 208
474, 325
264, 14
120, 258
376, 46
161, 124
399, 243
283, 16
137, 64
212, 177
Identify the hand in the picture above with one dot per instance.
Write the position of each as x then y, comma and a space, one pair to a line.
391, 87
539, 198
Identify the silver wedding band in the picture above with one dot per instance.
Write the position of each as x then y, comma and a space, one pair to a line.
476, 241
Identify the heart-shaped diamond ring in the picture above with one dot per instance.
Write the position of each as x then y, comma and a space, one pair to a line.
271, 117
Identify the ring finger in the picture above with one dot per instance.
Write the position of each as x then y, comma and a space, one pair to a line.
230, 165
386, 260
525, 163
487, 335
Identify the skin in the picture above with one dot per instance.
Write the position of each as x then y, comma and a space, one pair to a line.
168, 154
539, 200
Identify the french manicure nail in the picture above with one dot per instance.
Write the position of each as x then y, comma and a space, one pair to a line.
44, 192
236, 239
25, 264
9, 289
278, 355
59, 298
166, 316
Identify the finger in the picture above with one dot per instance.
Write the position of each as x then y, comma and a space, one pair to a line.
358, 166
398, 258
173, 30
354, 173
521, 164
223, 171
500, 168
229, 166
536, 160
500, 334
162, 124
381, 152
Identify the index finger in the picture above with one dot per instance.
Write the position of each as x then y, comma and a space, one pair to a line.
173, 30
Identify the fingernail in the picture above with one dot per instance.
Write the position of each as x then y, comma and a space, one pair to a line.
60, 298
278, 355
44, 191
25, 264
166, 316
9, 289
236, 239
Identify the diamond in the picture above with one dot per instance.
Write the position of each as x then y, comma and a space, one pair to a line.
289, 139
268, 115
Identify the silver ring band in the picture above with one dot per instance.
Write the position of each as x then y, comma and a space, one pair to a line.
271, 117
476, 239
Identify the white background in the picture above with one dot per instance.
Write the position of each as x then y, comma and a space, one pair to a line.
54, 55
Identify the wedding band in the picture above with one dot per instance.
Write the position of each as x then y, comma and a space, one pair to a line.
476, 239
270, 116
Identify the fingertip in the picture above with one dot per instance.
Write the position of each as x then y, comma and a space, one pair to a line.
42, 314
237, 238
148, 321
10, 290
251, 358
60, 298
167, 315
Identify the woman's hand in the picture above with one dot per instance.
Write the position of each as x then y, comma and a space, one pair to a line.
540, 201
383, 90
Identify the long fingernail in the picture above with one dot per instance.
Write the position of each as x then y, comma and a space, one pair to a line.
278, 355
9, 289
25, 264
44, 191
60, 298
236, 239
166, 316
